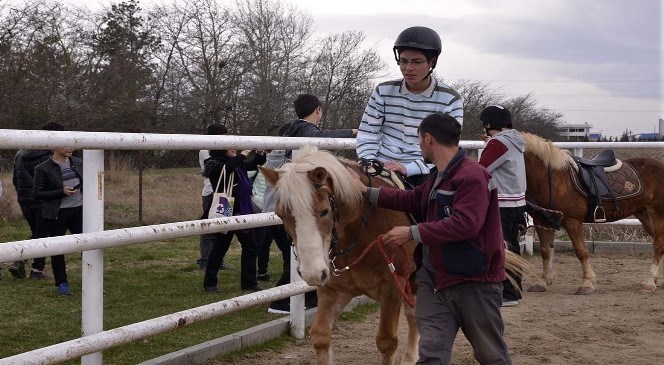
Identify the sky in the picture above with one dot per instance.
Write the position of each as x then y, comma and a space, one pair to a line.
599, 62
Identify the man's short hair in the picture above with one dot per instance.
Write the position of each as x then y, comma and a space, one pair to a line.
217, 129
52, 126
444, 128
305, 104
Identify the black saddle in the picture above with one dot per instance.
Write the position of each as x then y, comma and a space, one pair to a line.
605, 158
592, 175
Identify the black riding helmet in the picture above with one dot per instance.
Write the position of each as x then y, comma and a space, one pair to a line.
496, 117
420, 38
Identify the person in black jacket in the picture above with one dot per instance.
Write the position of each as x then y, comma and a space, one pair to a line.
250, 239
57, 184
25, 162
309, 114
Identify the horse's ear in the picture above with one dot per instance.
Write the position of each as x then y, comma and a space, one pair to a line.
271, 176
318, 176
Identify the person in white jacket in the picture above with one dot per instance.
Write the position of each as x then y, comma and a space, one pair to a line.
503, 158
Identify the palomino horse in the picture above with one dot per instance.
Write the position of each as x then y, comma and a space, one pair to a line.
332, 226
323, 210
549, 173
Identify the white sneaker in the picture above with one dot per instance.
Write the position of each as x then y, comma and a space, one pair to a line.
510, 303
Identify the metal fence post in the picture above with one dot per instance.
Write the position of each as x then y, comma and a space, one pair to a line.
92, 310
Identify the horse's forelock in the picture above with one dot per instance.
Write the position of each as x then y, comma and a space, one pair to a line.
550, 155
294, 189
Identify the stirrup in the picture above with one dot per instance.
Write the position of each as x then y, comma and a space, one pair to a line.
602, 217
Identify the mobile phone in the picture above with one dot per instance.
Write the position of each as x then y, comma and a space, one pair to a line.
78, 186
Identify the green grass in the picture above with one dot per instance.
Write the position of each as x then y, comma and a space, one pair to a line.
142, 281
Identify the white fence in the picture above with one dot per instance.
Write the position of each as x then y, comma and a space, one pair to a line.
94, 239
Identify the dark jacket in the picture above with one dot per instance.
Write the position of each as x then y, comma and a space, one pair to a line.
213, 167
462, 229
303, 128
48, 185
25, 162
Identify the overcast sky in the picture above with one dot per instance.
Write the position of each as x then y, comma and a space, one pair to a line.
595, 61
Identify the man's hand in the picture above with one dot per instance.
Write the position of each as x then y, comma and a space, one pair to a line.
397, 236
354, 174
395, 166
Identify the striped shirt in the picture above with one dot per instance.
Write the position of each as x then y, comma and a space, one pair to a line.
388, 131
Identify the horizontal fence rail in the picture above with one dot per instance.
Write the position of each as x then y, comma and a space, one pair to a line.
43, 247
95, 339
76, 348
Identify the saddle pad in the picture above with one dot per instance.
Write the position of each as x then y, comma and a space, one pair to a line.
624, 182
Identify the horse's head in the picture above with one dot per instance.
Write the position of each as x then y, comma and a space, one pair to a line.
310, 193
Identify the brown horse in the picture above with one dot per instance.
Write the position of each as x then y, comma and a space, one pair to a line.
549, 173
323, 210
333, 227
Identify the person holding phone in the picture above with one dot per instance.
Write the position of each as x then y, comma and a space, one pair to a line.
57, 184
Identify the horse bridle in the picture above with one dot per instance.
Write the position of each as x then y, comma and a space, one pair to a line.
334, 251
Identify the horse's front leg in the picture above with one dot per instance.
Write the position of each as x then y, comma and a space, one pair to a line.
411, 354
546, 237
575, 231
330, 305
387, 339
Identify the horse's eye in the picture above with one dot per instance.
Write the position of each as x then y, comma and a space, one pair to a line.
324, 212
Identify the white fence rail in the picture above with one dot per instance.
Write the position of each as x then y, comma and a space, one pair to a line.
94, 239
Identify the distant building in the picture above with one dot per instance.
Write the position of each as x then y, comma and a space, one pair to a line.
575, 132
594, 137
646, 137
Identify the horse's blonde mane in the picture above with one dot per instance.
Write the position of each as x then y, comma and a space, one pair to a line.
550, 155
294, 189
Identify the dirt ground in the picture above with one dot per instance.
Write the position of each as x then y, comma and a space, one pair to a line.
614, 325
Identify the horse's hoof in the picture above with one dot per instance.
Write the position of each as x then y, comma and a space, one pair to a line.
537, 288
584, 290
647, 289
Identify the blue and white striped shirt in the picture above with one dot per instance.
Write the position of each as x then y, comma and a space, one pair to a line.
388, 131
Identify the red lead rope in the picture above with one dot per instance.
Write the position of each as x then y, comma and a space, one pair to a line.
405, 290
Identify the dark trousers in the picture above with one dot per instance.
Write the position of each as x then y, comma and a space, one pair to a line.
510, 219
283, 241
207, 240
264, 252
69, 219
473, 307
250, 239
33, 216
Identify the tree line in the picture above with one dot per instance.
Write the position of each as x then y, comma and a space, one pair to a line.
177, 67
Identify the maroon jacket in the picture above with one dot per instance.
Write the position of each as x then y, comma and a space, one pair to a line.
462, 228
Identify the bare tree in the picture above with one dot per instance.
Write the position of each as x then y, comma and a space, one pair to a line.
275, 36
40, 43
207, 62
341, 73
526, 114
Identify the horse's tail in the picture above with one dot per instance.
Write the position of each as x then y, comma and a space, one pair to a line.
518, 265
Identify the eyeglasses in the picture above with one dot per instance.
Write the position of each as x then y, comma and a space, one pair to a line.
403, 63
